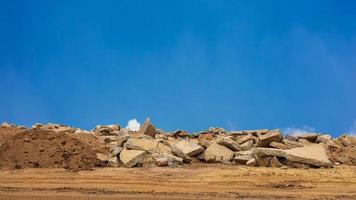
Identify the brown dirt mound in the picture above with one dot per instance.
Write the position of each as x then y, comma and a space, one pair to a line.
44, 149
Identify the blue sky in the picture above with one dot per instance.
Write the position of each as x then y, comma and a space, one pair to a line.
186, 64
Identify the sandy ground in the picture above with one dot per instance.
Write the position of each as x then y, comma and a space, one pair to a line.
199, 182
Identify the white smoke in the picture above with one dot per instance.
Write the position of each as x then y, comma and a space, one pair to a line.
352, 130
133, 125
292, 131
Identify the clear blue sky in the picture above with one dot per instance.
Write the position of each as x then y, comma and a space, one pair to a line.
186, 64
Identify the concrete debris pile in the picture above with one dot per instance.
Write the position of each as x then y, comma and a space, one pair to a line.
268, 148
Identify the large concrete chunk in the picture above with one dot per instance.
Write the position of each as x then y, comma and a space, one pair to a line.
176, 151
189, 148
243, 156
292, 144
171, 160
245, 139
149, 145
229, 143
279, 145
131, 158
147, 129
218, 153
327, 139
271, 136
309, 136
312, 155
247, 145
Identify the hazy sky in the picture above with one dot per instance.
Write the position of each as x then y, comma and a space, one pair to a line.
186, 64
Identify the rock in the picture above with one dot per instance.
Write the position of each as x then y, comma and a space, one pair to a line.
189, 148
243, 156
147, 129
279, 145
310, 137
251, 162
305, 142
271, 136
245, 139
171, 160
131, 158
295, 164
200, 157
161, 162
123, 132
229, 143
242, 159
256, 132
274, 162
206, 136
347, 141
115, 151
237, 133
292, 144
149, 145
164, 148
120, 140
312, 155
106, 130
262, 161
180, 133
218, 153
326, 139
102, 157
247, 145
176, 151
108, 139
205, 143
217, 130
114, 161
161, 135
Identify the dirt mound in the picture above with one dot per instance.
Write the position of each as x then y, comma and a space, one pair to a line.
43, 149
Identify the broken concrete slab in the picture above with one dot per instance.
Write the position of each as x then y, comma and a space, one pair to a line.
171, 159
245, 139
292, 144
246, 145
229, 143
312, 155
115, 150
149, 145
160, 162
242, 159
176, 151
218, 153
113, 161
251, 162
309, 136
263, 161
131, 158
271, 136
147, 129
305, 142
327, 139
102, 157
274, 162
279, 145
189, 148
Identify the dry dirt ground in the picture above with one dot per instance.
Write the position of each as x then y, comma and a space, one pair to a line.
198, 182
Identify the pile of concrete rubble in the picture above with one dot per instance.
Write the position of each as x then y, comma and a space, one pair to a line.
269, 148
